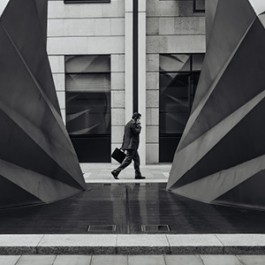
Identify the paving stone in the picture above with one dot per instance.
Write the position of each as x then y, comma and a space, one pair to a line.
146, 260
20, 240
183, 260
193, 240
242, 239
220, 260
109, 260
79, 240
195, 244
72, 260
243, 243
142, 244
36, 260
19, 244
77, 244
252, 259
9, 260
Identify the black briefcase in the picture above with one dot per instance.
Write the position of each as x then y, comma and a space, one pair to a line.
118, 155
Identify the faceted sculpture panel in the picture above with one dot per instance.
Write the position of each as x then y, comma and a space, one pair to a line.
222, 148
38, 161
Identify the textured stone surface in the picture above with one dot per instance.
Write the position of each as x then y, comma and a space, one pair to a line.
142, 244
147, 260
220, 260
109, 260
72, 260
9, 260
36, 259
183, 260
252, 259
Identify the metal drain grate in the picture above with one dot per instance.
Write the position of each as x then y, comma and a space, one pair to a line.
102, 228
161, 228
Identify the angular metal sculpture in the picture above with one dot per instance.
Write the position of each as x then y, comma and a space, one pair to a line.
221, 156
38, 163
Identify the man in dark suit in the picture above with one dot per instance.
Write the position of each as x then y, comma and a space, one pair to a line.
130, 144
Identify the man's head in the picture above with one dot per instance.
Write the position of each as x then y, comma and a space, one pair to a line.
136, 116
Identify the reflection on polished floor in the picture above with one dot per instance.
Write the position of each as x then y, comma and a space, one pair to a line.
129, 208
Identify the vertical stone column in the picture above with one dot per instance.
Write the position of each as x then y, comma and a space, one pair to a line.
141, 68
128, 59
142, 76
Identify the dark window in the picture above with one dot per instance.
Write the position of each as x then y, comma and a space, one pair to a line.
178, 79
86, 1
88, 119
199, 5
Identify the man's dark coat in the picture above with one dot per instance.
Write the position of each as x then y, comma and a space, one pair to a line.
131, 136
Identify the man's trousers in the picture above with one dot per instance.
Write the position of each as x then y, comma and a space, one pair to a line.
131, 155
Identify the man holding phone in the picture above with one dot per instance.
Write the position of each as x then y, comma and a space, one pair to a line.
130, 144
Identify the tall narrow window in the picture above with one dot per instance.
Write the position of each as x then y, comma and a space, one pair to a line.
178, 79
88, 119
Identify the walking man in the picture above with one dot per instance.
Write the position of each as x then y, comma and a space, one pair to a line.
130, 144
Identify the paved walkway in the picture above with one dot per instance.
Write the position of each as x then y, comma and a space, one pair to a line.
100, 173
95, 249
132, 260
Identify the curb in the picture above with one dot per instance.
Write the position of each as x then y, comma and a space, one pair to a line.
126, 244
74, 250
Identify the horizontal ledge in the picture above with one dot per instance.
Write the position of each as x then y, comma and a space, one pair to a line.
127, 244
158, 250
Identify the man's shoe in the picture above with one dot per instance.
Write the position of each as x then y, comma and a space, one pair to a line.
115, 174
139, 177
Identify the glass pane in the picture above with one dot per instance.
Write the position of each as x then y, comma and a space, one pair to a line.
174, 102
88, 113
197, 61
87, 82
174, 62
87, 64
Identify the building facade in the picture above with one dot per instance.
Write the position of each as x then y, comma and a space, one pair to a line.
110, 58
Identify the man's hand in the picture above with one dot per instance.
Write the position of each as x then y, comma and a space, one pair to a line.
138, 122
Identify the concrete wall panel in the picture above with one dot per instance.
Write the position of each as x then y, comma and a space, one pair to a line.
57, 9
59, 81
85, 45
57, 64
